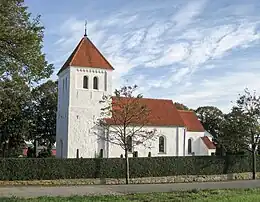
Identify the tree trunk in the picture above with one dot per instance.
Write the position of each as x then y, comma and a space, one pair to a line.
126, 167
35, 149
254, 164
4, 149
253, 156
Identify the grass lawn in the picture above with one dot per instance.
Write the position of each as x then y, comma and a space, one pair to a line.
237, 195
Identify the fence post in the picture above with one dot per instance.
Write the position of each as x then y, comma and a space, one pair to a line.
101, 153
77, 154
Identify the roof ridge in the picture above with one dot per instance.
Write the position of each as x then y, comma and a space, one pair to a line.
86, 54
77, 49
100, 53
185, 110
147, 98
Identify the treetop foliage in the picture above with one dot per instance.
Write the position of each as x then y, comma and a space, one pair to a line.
21, 38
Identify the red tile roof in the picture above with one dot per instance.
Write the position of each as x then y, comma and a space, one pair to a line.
86, 55
208, 143
191, 121
162, 112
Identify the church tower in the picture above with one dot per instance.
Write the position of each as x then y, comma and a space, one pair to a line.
82, 81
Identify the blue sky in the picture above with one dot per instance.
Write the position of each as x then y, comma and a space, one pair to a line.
198, 52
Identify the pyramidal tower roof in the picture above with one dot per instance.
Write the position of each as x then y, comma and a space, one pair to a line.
86, 55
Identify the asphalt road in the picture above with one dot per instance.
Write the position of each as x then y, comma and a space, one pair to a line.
36, 191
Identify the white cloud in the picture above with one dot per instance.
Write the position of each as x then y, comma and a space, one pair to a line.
175, 53
220, 91
219, 41
185, 15
244, 34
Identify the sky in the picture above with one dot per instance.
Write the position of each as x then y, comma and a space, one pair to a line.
197, 52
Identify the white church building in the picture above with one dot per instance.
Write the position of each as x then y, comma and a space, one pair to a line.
83, 80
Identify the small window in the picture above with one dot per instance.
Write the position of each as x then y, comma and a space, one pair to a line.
129, 144
63, 86
85, 82
189, 146
66, 84
161, 144
95, 83
105, 81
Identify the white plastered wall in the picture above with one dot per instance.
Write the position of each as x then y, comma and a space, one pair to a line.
62, 114
83, 111
198, 146
173, 143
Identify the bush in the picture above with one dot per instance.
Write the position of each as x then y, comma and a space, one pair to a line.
45, 153
51, 168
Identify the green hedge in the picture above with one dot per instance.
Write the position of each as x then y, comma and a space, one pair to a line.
49, 168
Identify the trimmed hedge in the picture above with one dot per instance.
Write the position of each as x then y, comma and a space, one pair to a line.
49, 169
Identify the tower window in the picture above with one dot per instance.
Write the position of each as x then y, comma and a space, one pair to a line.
66, 84
105, 81
85, 82
95, 83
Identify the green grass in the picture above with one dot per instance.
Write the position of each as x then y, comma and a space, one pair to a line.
237, 195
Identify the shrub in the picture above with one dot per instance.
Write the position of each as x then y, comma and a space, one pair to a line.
51, 168
44, 153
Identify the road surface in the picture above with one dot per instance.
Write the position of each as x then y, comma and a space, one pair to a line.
36, 191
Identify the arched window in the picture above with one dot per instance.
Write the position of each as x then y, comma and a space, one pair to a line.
161, 144
129, 143
85, 82
189, 146
95, 83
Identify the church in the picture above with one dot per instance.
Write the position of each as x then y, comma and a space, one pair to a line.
83, 80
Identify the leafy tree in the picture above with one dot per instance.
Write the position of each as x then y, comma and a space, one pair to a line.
21, 40
233, 130
247, 129
181, 106
212, 120
123, 119
42, 114
45, 153
14, 99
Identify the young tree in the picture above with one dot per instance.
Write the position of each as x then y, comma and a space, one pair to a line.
248, 116
123, 118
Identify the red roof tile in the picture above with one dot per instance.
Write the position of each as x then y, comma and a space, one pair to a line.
86, 55
191, 121
162, 112
208, 143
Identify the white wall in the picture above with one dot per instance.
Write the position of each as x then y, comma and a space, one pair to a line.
62, 114
83, 110
197, 143
173, 135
